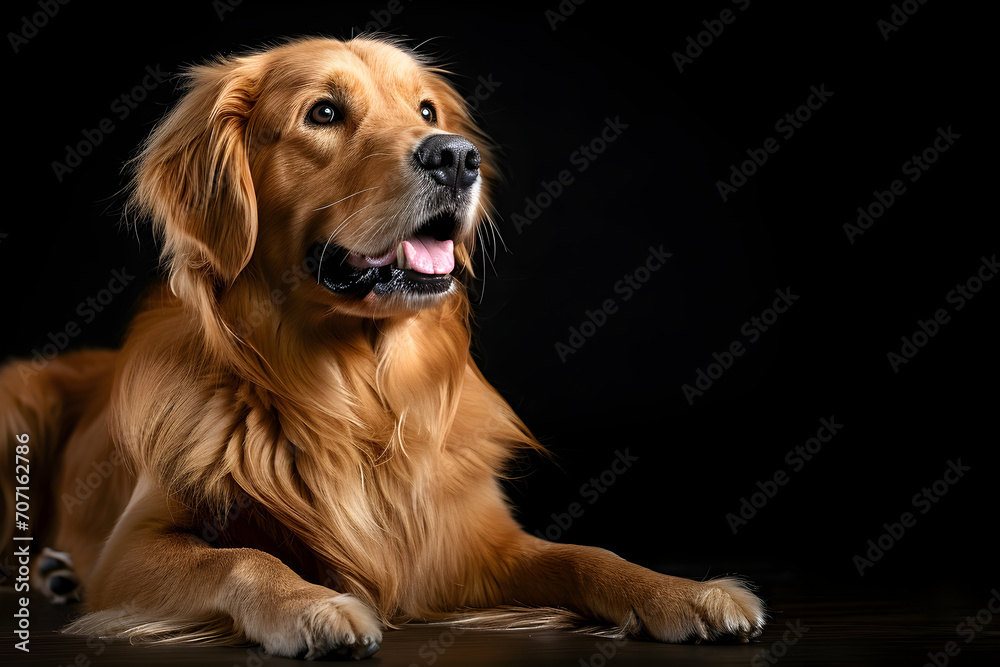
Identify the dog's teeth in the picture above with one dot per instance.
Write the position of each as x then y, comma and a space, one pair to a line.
401, 257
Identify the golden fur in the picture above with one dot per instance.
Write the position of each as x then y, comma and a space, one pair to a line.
286, 465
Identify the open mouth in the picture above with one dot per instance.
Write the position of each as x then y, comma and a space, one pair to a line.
419, 264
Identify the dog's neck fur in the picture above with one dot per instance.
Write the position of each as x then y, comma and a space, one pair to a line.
364, 399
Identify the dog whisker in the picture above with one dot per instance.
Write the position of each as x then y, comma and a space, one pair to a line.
495, 233
330, 238
482, 291
345, 198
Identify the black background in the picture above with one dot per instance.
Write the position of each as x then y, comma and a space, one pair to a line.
654, 185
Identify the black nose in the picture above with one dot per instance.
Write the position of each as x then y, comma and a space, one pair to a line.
450, 159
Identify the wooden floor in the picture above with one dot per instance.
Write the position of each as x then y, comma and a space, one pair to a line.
811, 625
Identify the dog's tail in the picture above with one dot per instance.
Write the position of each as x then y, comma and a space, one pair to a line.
40, 401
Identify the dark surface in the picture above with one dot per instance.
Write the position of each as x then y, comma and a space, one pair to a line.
606, 78
830, 627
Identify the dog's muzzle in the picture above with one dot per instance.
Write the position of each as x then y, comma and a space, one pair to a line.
423, 261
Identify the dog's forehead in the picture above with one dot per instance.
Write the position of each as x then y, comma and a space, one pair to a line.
356, 63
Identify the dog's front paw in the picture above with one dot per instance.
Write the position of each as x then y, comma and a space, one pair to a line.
338, 626
342, 626
710, 610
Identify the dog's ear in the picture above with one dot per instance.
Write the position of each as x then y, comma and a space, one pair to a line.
192, 175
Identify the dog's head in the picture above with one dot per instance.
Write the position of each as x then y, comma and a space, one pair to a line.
347, 175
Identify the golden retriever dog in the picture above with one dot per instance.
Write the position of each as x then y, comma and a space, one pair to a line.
294, 446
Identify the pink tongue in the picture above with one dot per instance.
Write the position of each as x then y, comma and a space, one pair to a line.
425, 254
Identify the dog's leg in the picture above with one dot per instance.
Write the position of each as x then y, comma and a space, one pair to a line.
598, 584
154, 580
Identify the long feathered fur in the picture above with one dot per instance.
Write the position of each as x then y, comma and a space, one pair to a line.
332, 435
298, 469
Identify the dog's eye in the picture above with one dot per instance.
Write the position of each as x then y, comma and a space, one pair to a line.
325, 113
428, 112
